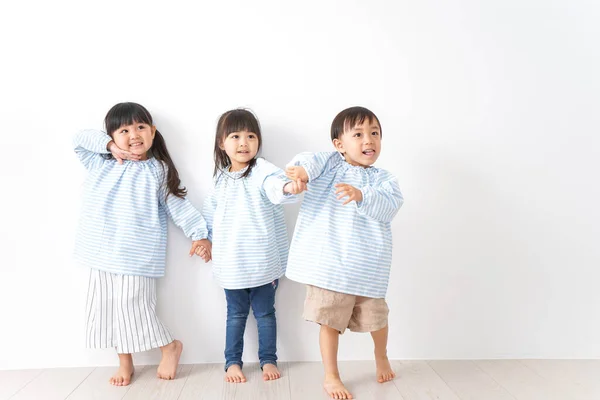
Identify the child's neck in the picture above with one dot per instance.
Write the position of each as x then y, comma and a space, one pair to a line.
236, 166
354, 163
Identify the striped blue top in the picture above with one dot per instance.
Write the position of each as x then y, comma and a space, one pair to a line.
247, 227
123, 226
346, 249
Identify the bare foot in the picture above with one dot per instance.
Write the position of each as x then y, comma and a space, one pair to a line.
123, 375
270, 372
384, 370
234, 374
169, 361
335, 388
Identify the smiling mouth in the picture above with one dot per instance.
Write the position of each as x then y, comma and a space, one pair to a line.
243, 152
136, 144
369, 152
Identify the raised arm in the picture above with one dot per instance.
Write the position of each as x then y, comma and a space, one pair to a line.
90, 145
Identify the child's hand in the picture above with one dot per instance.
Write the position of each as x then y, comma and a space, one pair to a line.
119, 154
203, 253
294, 187
296, 173
202, 248
348, 190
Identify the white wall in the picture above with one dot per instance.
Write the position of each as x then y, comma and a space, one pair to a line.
489, 112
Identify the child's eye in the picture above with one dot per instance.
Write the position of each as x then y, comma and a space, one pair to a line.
375, 133
357, 134
141, 127
251, 137
123, 131
234, 136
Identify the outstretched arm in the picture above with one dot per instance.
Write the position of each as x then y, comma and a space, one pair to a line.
310, 166
273, 183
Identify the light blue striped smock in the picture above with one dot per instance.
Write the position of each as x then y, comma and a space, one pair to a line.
246, 226
346, 249
123, 226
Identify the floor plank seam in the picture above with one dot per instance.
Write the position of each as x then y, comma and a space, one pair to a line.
442, 379
27, 384
397, 387
287, 371
186, 380
497, 383
531, 369
506, 388
83, 380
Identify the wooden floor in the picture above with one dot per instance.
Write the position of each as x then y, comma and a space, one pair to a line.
417, 380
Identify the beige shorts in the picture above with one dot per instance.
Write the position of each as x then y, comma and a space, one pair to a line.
340, 310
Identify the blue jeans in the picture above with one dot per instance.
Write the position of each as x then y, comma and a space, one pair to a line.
262, 301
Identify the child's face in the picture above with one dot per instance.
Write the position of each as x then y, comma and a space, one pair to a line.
360, 145
241, 147
136, 138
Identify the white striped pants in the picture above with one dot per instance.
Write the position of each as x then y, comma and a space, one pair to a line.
121, 313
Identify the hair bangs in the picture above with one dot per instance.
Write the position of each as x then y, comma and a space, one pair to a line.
240, 121
358, 119
349, 118
126, 114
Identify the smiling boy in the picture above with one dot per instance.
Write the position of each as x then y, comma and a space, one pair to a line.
342, 244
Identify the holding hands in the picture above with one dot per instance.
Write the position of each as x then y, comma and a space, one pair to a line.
296, 173
299, 179
295, 187
202, 248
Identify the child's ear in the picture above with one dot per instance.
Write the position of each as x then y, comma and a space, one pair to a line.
221, 146
153, 131
339, 146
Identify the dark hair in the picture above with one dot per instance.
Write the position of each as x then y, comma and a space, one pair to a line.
237, 120
132, 113
351, 117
